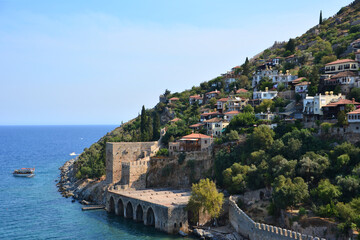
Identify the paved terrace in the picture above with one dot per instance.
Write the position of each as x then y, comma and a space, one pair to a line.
163, 208
164, 197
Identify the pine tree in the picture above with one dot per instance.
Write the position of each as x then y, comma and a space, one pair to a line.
320, 19
290, 46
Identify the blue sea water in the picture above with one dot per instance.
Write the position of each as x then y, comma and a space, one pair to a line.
32, 208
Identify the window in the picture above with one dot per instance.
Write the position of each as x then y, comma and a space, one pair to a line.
327, 69
346, 66
333, 68
205, 141
340, 67
353, 66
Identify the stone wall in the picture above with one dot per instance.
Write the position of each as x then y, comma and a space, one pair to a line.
118, 153
258, 231
133, 174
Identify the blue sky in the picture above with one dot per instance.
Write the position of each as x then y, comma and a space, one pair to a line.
98, 62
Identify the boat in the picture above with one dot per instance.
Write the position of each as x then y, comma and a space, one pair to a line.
73, 154
24, 172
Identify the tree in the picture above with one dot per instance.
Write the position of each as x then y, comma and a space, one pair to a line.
248, 108
233, 135
205, 197
342, 119
355, 93
246, 67
314, 81
320, 19
156, 126
326, 192
290, 46
262, 137
288, 193
265, 105
213, 102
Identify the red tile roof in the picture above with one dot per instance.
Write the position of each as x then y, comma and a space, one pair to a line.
195, 136
303, 83
298, 80
196, 97
196, 125
344, 74
241, 90
214, 120
175, 120
341, 61
210, 113
357, 111
232, 112
174, 99
341, 102
223, 100
216, 91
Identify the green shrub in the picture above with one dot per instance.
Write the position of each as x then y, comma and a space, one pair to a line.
181, 158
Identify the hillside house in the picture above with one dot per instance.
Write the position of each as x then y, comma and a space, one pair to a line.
302, 88
236, 103
190, 143
221, 104
312, 106
354, 121
215, 126
265, 116
212, 94
276, 77
341, 65
210, 115
196, 98
346, 80
291, 59
264, 95
332, 109
230, 115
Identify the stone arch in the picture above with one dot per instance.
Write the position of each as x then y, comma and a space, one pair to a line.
111, 208
129, 210
150, 217
120, 208
139, 214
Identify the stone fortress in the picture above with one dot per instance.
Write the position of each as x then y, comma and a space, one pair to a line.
127, 164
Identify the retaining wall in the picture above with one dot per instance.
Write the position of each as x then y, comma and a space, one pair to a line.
259, 231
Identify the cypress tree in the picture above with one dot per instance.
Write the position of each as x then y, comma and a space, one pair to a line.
290, 46
156, 126
143, 123
320, 19
246, 67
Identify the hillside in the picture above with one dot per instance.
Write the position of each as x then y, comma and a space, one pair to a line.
308, 169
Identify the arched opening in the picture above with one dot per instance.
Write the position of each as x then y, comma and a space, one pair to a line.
129, 210
120, 208
150, 217
174, 225
139, 213
180, 224
111, 205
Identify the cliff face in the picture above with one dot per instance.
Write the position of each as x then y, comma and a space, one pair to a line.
177, 173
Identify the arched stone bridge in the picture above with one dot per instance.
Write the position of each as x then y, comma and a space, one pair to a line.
163, 209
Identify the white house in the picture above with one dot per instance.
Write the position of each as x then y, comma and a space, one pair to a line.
354, 121
215, 126
341, 66
313, 105
212, 94
196, 98
302, 88
221, 103
275, 76
236, 103
230, 115
264, 95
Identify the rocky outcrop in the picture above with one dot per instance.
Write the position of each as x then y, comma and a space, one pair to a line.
90, 190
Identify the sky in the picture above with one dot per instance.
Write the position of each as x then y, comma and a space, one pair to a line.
97, 62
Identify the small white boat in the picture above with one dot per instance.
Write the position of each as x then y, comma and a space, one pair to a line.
24, 172
73, 154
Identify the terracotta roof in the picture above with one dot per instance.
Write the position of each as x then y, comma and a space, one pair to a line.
291, 56
357, 111
214, 120
195, 136
175, 120
303, 83
223, 100
241, 90
341, 61
174, 99
196, 97
210, 113
341, 102
216, 91
232, 112
196, 125
236, 67
344, 74
298, 80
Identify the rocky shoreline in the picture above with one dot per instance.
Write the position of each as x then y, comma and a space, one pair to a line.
88, 191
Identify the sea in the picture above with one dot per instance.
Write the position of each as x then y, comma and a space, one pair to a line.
32, 208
